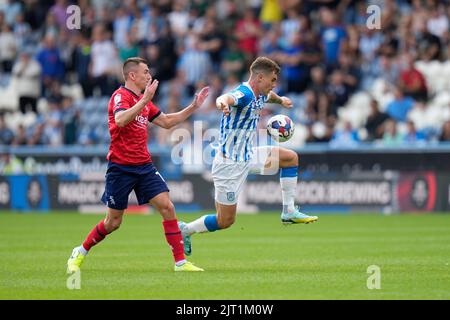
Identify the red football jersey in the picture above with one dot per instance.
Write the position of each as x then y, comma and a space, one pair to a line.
129, 144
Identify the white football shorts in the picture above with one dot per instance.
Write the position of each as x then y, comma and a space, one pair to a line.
229, 175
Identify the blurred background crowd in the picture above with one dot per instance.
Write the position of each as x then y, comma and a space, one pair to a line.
389, 83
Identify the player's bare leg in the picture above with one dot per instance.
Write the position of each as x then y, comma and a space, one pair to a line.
226, 215
165, 207
111, 223
223, 218
288, 161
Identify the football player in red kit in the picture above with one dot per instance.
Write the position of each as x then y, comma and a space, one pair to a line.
130, 165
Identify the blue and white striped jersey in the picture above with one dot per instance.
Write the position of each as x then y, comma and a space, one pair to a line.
238, 129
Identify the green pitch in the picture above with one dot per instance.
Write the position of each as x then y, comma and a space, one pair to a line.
257, 258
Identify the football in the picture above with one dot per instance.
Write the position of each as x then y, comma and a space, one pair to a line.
280, 128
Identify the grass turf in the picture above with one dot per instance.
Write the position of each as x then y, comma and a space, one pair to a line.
257, 258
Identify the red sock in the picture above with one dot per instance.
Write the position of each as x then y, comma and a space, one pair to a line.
174, 239
95, 236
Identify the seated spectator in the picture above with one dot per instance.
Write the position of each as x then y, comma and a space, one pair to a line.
345, 137
375, 121
398, 108
412, 81
429, 46
412, 135
391, 137
445, 134
6, 134
337, 91
21, 137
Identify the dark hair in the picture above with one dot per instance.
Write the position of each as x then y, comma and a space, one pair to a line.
130, 63
265, 65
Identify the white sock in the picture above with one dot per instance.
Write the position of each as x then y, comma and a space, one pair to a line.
180, 263
288, 191
82, 250
199, 225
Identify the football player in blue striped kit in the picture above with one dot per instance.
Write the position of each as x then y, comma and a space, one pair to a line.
236, 156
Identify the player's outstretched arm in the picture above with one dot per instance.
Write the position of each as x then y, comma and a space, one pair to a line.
170, 120
284, 101
126, 116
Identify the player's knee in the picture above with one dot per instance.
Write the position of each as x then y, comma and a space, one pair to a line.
295, 157
168, 210
291, 157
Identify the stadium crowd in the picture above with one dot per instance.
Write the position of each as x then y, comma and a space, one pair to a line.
349, 83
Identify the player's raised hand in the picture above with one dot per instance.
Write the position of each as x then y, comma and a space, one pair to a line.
286, 102
200, 97
150, 90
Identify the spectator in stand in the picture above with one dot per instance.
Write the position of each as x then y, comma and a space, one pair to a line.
8, 48
233, 61
271, 13
350, 70
270, 43
195, 64
391, 137
437, 22
53, 127
375, 122
50, 27
104, 61
130, 48
59, 11
6, 134
428, 45
212, 41
20, 137
27, 73
22, 32
293, 70
337, 91
346, 137
121, 26
51, 64
81, 58
248, 32
398, 108
333, 35
412, 81
445, 133
412, 135
318, 101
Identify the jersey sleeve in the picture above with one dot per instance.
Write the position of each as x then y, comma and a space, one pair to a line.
153, 112
120, 103
241, 95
